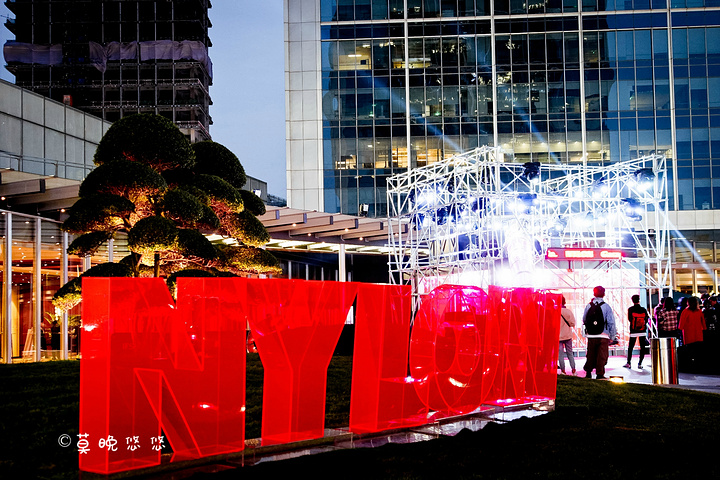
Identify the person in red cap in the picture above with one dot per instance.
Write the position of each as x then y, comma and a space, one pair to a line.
600, 328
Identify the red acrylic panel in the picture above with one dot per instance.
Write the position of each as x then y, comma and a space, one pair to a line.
447, 359
151, 368
550, 305
383, 396
296, 325
527, 333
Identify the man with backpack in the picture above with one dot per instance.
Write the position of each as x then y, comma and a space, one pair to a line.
637, 316
600, 328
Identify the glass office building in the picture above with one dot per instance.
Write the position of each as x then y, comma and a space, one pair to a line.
379, 86
407, 83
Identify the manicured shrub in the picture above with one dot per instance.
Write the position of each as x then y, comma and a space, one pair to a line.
215, 159
145, 138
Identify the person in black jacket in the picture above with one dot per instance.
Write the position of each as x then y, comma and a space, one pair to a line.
638, 318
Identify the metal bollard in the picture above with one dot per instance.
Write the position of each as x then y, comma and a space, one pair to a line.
663, 353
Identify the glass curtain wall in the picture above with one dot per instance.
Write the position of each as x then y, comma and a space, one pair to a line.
33, 264
559, 81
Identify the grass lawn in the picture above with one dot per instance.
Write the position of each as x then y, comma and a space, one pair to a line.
598, 430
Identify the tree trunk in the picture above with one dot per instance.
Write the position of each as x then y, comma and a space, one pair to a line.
157, 264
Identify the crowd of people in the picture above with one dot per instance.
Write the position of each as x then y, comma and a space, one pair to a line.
685, 321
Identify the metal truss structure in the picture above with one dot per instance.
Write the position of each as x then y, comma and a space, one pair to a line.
474, 219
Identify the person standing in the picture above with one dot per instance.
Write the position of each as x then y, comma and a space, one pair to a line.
638, 317
711, 313
668, 319
599, 322
567, 324
692, 322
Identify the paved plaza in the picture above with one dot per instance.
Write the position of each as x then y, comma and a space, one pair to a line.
615, 368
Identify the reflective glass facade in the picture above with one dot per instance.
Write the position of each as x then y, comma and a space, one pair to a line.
406, 83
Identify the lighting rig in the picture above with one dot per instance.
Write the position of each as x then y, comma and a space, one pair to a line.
475, 219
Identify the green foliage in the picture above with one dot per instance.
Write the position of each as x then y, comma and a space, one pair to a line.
209, 220
146, 138
248, 259
98, 212
149, 185
248, 229
191, 243
182, 206
215, 159
253, 203
222, 195
88, 243
190, 272
123, 177
70, 294
152, 234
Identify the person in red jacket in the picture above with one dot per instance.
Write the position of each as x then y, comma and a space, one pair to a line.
692, 322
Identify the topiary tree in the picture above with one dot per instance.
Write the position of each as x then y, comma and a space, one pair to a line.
152, 184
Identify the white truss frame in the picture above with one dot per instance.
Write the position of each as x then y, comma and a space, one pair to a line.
476, 213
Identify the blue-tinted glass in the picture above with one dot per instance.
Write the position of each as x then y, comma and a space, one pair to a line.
328, 10
714, 92
698, 94
696, 45
627, 124
466, 8
701, 149
449, 8
517, 6
502, 7
679, 39
570, 5
362, 10
345, 10
643, 43
702, 195
397, 8
699, 121
611, 124
622, 21
379, 9
659, 4
625, 51
646, 124
642, 20
431, 8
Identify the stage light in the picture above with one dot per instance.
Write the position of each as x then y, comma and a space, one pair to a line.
557, 227
600, 188
586, 220
601, 217
442, 215
532, 172
523, 202
427, 198
645, 178
633, 210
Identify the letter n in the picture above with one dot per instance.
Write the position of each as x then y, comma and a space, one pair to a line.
150, 367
